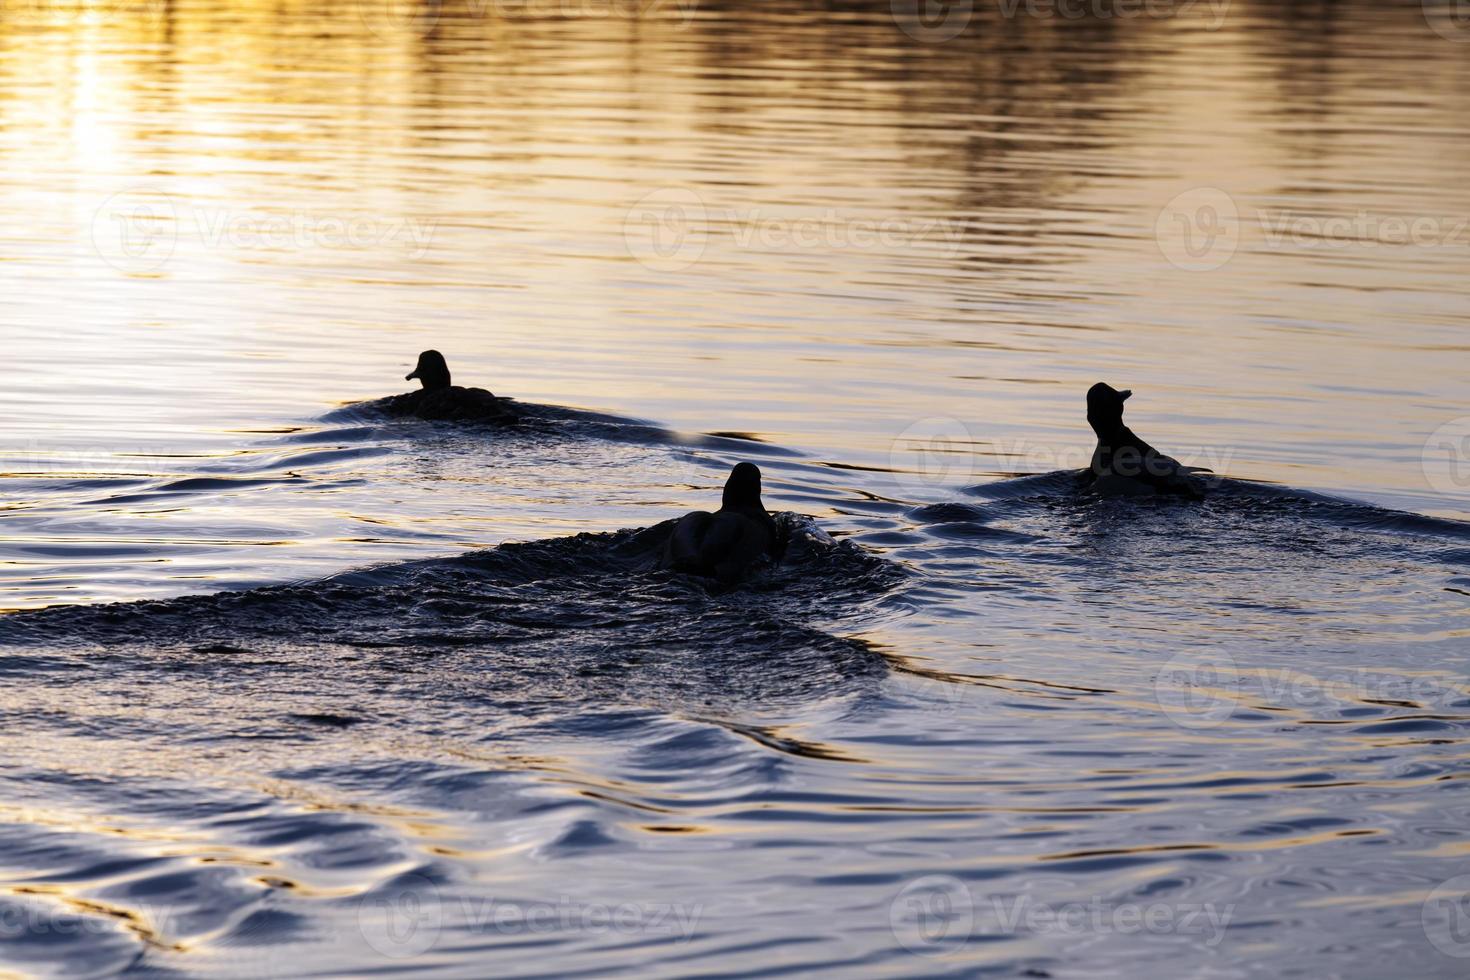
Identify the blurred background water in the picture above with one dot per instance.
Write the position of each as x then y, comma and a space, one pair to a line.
886, 245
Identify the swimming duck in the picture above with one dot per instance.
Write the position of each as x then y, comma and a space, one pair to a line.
725, 544
1122, 463
439, 399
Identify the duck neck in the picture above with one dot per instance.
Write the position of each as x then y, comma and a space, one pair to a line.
744, 504
1107, 429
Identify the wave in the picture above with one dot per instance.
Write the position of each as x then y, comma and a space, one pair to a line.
553, 614
1228, 493
533, 421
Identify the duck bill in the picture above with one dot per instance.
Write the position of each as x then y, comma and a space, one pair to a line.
1126, 394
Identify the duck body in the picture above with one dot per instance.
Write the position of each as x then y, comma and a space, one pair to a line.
725, 544
1123, 465
439, 399
454, 404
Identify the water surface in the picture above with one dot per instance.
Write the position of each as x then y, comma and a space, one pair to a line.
330, 693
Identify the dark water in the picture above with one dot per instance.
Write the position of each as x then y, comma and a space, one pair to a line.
294, 688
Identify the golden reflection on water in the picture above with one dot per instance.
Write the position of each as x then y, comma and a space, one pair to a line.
887, 230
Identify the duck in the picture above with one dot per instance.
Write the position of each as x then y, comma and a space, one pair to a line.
726, 544
1123, 465
439, 399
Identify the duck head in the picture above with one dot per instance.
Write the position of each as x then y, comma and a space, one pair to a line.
431, 371
743, 488
1105, 407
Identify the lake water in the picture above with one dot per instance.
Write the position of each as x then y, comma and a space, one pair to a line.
326, 693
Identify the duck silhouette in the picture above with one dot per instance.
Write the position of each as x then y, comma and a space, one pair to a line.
440, 399
725, 544
1125, 465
